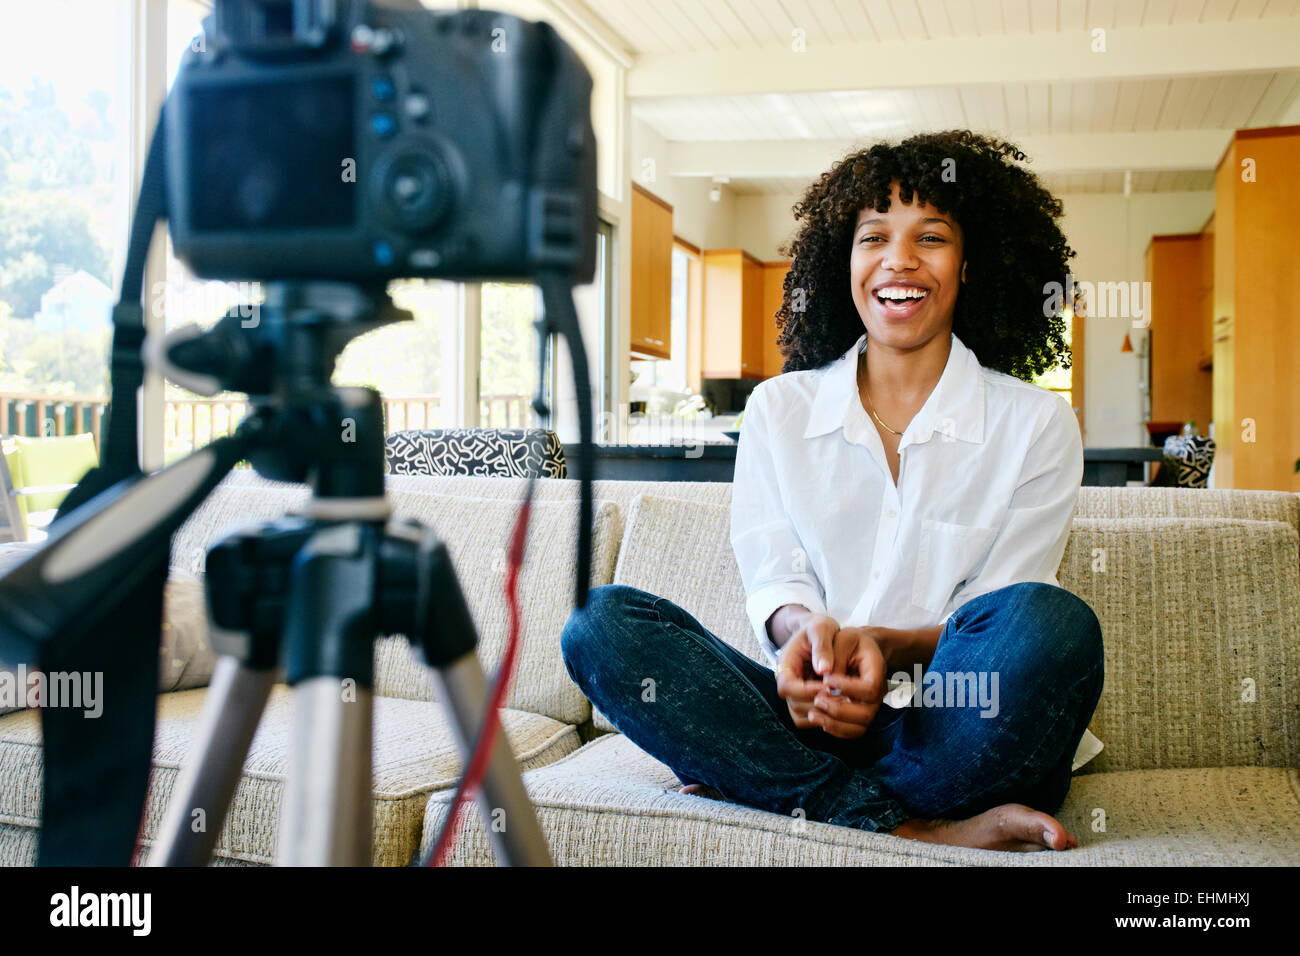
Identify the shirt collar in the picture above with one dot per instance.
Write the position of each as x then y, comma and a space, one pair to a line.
955, 408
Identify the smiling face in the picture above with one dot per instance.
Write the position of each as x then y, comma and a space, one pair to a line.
905, 270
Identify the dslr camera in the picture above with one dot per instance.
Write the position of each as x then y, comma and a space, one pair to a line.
353, 141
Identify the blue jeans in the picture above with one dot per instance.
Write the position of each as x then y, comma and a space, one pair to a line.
714, 717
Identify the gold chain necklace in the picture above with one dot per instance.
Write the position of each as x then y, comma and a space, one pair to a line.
877, 417
872, 409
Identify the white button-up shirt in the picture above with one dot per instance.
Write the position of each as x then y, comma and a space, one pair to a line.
989, 474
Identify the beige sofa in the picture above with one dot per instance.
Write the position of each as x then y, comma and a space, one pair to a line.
1198, 592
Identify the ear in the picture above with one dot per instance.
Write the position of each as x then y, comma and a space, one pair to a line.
963, 270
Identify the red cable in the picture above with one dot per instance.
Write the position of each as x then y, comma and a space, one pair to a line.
469, 783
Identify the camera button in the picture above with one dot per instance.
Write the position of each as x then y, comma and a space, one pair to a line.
383, 253
383, 124
417, 106
382, 88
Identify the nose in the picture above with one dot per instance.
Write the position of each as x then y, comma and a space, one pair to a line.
899, 257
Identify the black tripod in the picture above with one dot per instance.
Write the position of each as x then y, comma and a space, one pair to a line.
312, 592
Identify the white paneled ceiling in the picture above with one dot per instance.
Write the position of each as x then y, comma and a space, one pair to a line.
676, 26
1013, 109
1161, 103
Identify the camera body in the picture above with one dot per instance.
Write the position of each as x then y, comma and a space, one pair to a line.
350, 141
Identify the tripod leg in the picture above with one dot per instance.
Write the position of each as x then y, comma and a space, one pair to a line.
507, 813
328, 815
232, 708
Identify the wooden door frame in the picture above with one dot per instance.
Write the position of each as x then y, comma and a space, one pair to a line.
694, 311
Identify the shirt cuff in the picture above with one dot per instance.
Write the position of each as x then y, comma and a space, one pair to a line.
760, 605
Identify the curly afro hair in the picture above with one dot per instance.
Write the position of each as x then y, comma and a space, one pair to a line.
1012, 244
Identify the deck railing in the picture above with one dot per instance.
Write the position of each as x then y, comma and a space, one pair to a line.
37, 414
192, 423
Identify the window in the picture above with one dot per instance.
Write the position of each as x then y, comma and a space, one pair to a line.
191, 421
68, 170
600, 353
593, 304
402, 361
1059, 379
665, 408
508, 356
64, 190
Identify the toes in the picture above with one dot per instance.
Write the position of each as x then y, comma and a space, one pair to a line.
1019, 822
703, 790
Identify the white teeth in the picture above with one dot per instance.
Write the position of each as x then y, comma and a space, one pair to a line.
900, 293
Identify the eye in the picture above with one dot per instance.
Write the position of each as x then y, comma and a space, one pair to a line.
870, 238
935, 238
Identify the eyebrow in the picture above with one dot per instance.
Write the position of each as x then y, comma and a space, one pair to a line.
868, 222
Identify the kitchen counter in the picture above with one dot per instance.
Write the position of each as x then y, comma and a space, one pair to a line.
716, 461
701, 461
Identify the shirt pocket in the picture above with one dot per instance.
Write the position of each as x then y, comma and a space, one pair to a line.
947, 554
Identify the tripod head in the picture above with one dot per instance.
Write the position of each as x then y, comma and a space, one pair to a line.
308, 431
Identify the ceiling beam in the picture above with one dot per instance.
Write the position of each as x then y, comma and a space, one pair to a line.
1241, 46
1075, 153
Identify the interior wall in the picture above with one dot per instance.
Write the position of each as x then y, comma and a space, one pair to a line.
764, 222
698, 220
1094, 224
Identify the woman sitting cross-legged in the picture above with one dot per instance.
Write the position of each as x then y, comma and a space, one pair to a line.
902, 499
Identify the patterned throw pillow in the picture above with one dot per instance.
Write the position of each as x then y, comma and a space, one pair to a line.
500, 452
1186, 462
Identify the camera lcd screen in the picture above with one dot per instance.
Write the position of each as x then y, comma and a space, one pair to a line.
271, 156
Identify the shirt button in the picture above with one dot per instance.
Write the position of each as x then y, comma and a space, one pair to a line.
892, 513
875, 574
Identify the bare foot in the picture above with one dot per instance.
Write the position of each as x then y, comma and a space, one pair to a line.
703, 790
1012, 826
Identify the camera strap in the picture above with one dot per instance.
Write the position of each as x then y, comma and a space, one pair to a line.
96, 769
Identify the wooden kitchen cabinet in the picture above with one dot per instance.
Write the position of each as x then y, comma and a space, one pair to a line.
651, 292
1257, 311
1207, 295
1180, 387
734, 322
773, 279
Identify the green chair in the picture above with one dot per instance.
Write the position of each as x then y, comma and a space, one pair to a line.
36, 474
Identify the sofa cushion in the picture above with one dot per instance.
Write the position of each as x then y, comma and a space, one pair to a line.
1093, 502
610, 803
476, 531
680, 550
1201, 618
619, 491
1148, 502
243, 498
18, 847
414, 754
